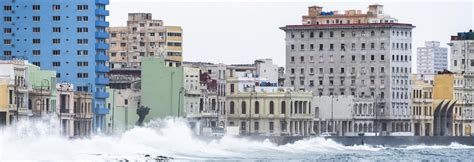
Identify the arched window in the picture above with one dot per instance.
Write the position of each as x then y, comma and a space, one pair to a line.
283, 107
257, 107
271, 107
355, 109
232, 107
244, 107
365, 127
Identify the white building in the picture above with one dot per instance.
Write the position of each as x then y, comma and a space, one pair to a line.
432, 58
344, 115
353, 57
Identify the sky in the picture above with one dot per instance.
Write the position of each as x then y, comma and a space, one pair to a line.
231, 31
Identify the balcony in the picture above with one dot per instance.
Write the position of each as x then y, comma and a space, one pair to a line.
101, 111
102, 69
101, 95
101, 57
102, 2
103, 35
102, 81
102, 23
101, 12
101, 46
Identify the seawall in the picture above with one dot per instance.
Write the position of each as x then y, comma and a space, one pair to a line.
393, 141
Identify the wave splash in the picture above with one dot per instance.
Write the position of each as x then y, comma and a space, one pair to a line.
172, 137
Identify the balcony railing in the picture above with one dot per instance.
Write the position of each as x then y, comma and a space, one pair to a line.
101, 57
101, 95
102, 69
102, 23
102, 2
103, 35
101, 12
102, 81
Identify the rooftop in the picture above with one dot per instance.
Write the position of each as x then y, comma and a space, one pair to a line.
362, 25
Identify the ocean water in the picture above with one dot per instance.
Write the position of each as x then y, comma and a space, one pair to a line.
172, 139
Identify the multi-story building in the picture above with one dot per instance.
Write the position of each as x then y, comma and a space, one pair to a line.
144, 36
4, 101
65, 36
162, 88
422, 104
363, 55
82, 114
259, 107
432, 58
16, 72
462, 62
344, 115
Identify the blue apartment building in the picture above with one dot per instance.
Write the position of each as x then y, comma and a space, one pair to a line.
68, 36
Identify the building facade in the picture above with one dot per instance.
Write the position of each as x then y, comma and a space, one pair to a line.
142, 37
67, 36
367, 59
163, 92
432, 58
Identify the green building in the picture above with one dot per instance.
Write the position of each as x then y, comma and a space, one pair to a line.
161, 87
43, 83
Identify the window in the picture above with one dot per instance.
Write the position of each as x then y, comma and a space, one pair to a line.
311, 47
82, 63
82, 18
36, 30
302, 47
56, 64
243, 108
311, 34
177, 44
7, 53
36, 41
283, 107
242, 126
7, 41
331, 47
372, 45
272, 107
7, 19
37, 63
7, 30
302, 58
82, 7
372, 33
353, 57
372, 57
363, 46
56, 7
82, 75
382, 45
82, 41
82, 30
232, 107
36, 52
36, 7
292, 47
270, 126
331, 34
320, 47
342, 34
56, 52
7, 8
56, 41
82, 52
56, 18
36, 18
171, 34
256, 127
56, 29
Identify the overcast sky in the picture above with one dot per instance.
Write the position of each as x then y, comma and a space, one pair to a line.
231, 31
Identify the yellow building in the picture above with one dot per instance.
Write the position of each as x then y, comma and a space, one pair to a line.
422, 105
447, 119
4, 102
142, 37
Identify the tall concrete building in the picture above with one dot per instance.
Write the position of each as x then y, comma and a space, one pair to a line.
462, 47
65, 36
432, 58
144, 36
363, 55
